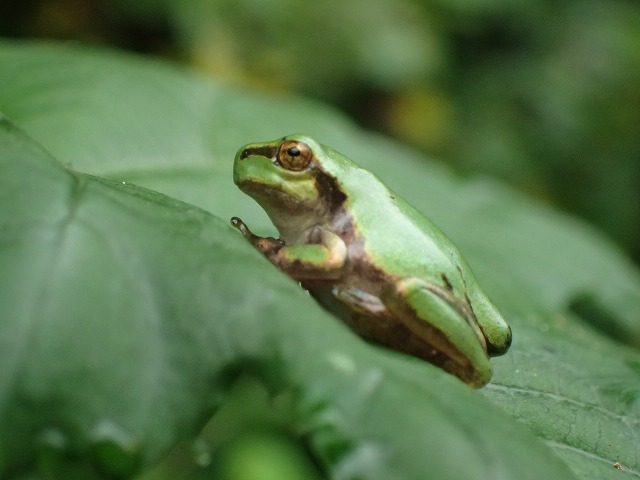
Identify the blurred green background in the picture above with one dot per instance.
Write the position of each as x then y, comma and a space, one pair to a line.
545, 95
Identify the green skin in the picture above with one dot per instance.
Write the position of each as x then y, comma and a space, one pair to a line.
369, 257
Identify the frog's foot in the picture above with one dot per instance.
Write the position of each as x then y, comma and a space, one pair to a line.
240, 225
495, 330
438, 329
266, 245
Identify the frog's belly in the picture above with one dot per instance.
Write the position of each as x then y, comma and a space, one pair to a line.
362, 311
341, 300
367, 316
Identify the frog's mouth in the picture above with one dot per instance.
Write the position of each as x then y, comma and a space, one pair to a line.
272, 192
274, 195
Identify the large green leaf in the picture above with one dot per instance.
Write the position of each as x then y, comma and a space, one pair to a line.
142, 303
128, 314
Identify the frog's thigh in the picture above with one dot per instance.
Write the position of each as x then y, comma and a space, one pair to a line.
439, 333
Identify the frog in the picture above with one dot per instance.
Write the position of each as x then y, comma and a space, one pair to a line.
369, 257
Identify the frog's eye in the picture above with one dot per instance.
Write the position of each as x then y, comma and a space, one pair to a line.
294, 155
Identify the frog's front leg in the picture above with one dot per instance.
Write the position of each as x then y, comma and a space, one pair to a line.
266, 245
321, 255
442, 329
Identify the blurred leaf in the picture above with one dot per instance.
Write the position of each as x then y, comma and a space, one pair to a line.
543, 95
547, 96
262, 456
212, 303
319, 48
126, 316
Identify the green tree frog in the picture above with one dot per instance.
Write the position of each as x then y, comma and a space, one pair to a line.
369, 257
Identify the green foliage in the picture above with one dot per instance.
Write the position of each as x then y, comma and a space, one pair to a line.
541, 94
129, 317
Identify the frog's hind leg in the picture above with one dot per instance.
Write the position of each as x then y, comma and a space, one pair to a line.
438, 328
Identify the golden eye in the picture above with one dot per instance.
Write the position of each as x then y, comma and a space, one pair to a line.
294, 155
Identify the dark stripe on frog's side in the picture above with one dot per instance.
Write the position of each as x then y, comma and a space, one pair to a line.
329, 190
332, 195
406, 333
446, 281
267, 151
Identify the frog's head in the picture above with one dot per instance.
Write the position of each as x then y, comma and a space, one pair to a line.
288, 179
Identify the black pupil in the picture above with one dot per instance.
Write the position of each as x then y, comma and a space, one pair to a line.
293, 151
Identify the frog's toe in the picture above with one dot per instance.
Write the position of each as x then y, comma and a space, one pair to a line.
501, 347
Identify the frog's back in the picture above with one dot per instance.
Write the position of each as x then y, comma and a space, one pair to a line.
397, 237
